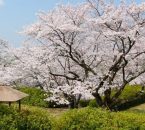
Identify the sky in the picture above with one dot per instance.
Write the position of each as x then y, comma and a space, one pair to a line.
16, 14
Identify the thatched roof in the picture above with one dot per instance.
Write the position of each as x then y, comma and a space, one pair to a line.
8, 94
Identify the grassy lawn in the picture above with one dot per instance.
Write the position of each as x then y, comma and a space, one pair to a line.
59, 111
56, 111
139, 108
52, 111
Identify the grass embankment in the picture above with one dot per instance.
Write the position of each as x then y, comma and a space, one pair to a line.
139, 109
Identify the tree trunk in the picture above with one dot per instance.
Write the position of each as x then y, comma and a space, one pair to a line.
142, 88
75, 102
71, 105
98, 99
107, 99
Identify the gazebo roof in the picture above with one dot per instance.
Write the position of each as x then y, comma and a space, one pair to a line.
8, 94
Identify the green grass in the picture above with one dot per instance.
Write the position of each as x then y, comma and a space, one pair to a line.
52, 111
130, 92
56, 111
139, 109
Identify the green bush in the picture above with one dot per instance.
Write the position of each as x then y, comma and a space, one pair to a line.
84, 103
90, 103
5, 110
98, 119
93, 103
36, 96
7, 121
27, 119
34, 119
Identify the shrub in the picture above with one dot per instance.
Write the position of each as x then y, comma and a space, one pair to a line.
84, 103
7, 121
4, 110
93, 103
98, 119
34, 119
27, 119
36, 96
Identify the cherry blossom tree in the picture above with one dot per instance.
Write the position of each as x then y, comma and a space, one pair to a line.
3, 53
27, 67
5, 58
97, 42
70, 94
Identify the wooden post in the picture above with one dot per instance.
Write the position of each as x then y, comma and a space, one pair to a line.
19, 105
9, 104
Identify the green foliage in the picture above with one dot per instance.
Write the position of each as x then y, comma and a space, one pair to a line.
32, 118
36, 96
131, 103
98, 119
27, 119
93, 103
4, 110
7, 121
130, 97
130, 92
83, 103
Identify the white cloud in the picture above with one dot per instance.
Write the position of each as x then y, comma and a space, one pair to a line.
1, 2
